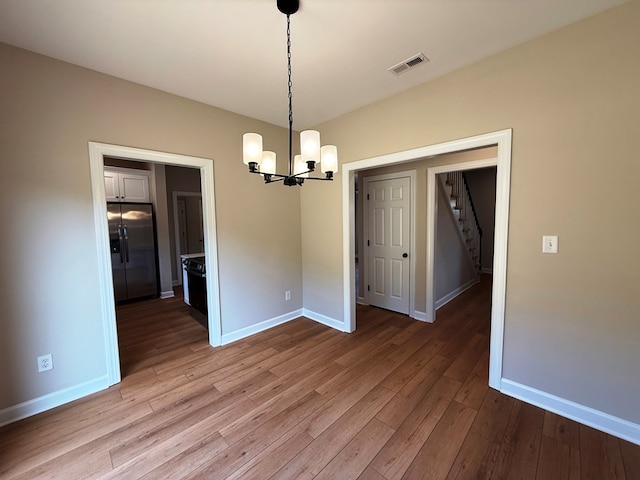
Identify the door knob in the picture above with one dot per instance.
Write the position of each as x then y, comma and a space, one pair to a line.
405, 255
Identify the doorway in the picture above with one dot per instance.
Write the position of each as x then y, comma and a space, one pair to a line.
501, 140
97, 152
432, 201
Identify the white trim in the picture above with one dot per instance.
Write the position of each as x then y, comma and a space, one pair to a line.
51, 400
348, 247
323, 319
364, 269
176, 227
167, 294
503, 141
260, 327
422, 316
580, 413
97, 152
454, 293
500, 244
279, 320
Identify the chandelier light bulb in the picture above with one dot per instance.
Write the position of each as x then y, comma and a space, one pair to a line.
310, 145
252, 148
268, 165
329, 158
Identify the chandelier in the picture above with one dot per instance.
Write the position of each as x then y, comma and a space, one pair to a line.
311, 153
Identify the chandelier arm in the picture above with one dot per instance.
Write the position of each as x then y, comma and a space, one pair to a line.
278, 175
302, 173
318, 178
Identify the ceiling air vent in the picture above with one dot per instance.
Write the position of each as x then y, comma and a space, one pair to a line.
409, 63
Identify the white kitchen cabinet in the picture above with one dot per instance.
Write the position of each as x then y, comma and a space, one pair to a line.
126, 185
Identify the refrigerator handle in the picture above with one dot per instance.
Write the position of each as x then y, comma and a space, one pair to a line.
126, 243
121, 243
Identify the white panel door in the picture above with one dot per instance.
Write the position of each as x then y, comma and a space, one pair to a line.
388, 243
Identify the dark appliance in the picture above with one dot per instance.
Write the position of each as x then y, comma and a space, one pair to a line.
133, 250
197, 285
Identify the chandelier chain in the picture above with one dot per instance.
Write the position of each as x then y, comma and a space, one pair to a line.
290, 84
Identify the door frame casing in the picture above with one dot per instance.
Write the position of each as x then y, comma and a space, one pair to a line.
364, 269
97, 152
502, 139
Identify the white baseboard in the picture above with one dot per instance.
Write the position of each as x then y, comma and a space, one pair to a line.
323, 319
361, 301
51, 400
273, 322
453, 294
580, 413
175, 283
422, 316
167, 294
260, 327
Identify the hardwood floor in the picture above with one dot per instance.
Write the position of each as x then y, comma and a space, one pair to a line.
397, 399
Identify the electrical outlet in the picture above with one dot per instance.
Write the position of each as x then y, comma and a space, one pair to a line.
45, 362
287, 295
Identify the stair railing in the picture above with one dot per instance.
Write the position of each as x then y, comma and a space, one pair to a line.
467, 216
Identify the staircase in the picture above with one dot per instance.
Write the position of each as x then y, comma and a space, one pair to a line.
457, 190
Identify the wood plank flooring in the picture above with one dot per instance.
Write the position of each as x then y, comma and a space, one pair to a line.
397, 399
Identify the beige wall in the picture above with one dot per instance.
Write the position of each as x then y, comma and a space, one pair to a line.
49, 297
572, 100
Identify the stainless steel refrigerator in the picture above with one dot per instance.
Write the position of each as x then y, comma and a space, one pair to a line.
133, 250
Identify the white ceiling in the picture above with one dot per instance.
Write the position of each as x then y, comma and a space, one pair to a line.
232, 53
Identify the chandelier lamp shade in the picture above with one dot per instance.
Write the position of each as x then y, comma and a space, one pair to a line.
263, 162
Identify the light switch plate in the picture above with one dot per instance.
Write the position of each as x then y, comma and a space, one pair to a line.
549, 244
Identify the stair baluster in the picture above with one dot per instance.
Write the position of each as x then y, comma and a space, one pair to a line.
464, 210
